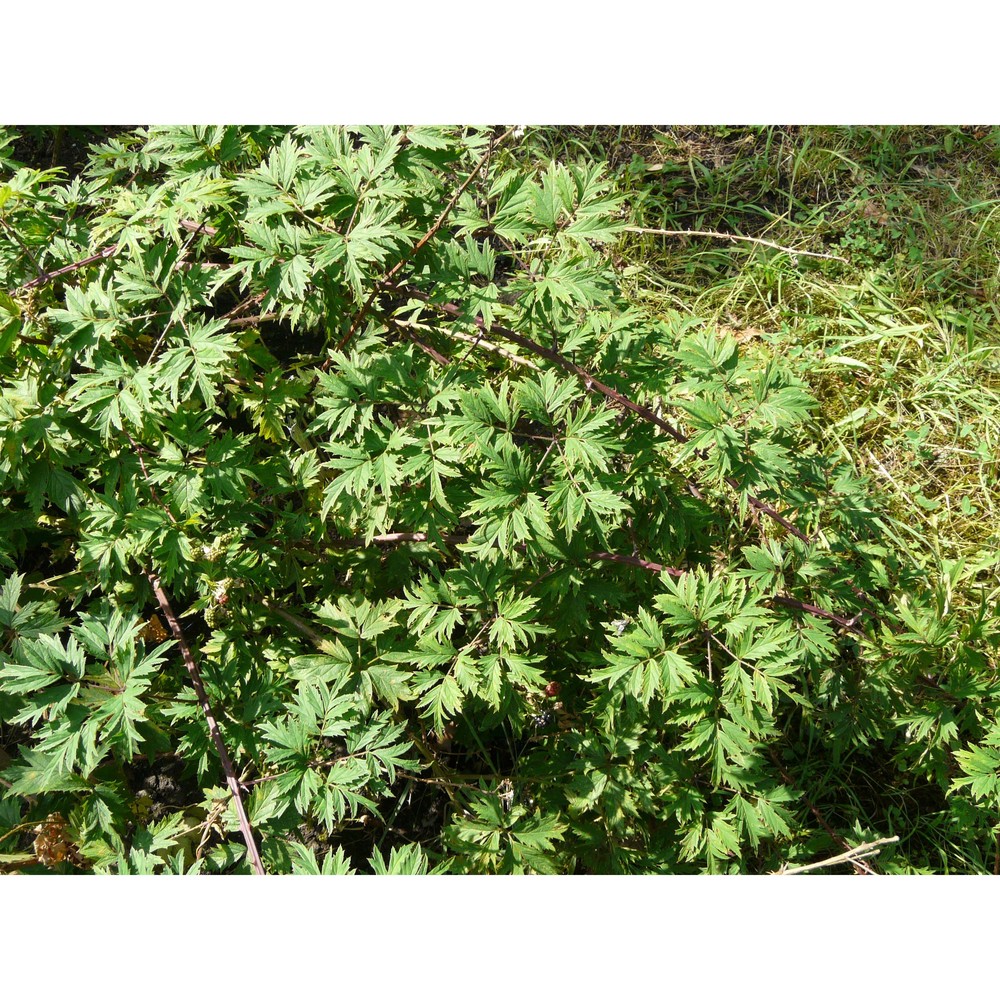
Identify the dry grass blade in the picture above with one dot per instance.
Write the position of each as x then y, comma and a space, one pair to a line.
853, 856
733, 237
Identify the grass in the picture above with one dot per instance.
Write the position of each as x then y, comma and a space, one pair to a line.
899, 345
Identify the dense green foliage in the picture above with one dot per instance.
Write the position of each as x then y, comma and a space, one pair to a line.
505, 540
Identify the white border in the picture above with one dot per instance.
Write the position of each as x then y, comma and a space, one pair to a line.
535, 62
464, 936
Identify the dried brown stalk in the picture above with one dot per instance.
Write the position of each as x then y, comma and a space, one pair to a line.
653, 567
393, 537
199, 688
860, 867
213, 727
853, 856
594, 385
44, 279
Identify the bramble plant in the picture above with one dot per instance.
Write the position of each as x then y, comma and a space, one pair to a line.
359, 516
